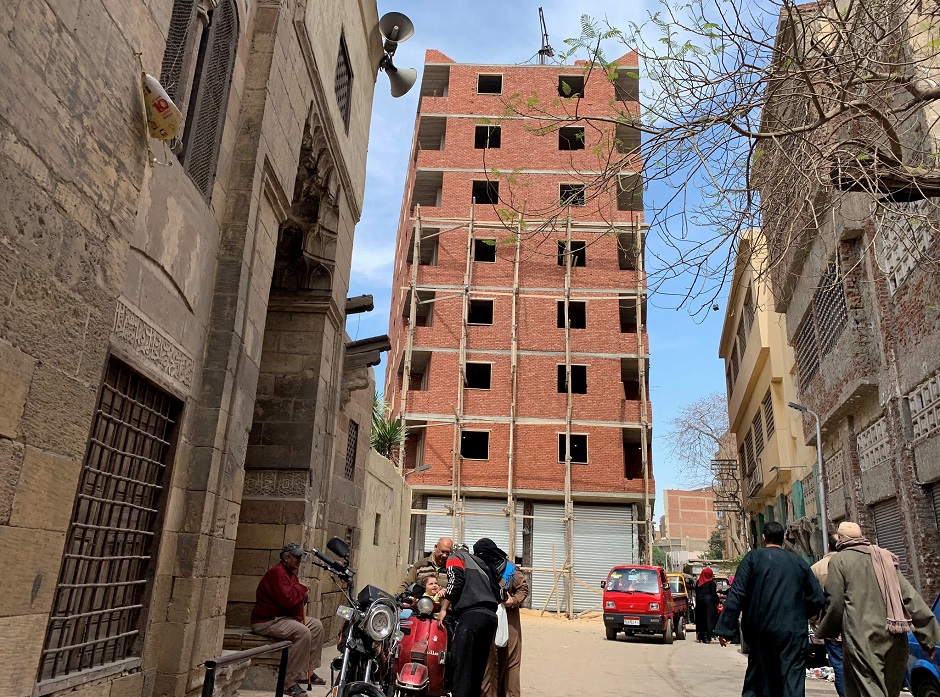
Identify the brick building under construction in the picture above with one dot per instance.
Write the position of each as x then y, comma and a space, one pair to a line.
519, 349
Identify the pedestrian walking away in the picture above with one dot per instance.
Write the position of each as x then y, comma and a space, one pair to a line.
432, 565
833, 646
706, 606
472, 595
279, 613
873, 606
775, 593
504, 669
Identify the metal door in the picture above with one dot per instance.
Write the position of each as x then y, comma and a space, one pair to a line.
494, 524
889, 532
548, 551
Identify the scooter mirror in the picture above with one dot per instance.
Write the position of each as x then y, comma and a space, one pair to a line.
338, 546
415, 590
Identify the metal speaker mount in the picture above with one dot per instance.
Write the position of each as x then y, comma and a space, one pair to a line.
395, 28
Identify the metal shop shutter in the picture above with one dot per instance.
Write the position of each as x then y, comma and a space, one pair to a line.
496, 527
888, 529
547, 536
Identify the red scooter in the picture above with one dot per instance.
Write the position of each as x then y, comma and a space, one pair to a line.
419, 666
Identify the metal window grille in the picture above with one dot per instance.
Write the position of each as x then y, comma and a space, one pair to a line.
96, 615
747, 311
742, 458
742, 336
809, 491
734, 364
924, 401
213, 79
749, 451
757, 426
768, 407
177, 44
352, 444
344, 82
829, 307
874, 445
835, 471
807, 355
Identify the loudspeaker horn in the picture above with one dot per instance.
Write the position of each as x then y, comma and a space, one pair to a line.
402, 80
392, 20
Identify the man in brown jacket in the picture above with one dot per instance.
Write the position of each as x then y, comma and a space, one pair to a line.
503, 673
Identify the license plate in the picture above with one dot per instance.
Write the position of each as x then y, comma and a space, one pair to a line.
631, 621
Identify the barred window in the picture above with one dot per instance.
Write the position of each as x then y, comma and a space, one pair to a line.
344, 82
747, 309
179, 36
206, 118
835, 471
768, 407
757, 426
924, 401
100, 596
352, 444
807, 355
749, 452
829, 308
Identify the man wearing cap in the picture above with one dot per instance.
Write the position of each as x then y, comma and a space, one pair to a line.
874, 607
279, 613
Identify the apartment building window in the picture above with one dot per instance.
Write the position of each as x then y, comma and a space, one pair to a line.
572, 195
579, 448
344, 82
749, 458
748, 309
352, 446
475, 445
835, 471
823, 324
742, 336
484, 250
571, 85
578, 379
478, 376
480, 312
577, 314
807, 355
757, 427
571, 138
768, 408
487, 137
109, 549
485, 192
489, 84
578, 253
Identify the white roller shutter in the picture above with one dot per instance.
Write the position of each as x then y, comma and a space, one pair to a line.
494, 525
888, 530
600, 542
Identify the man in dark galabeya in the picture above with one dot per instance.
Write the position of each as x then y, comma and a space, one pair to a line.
776, 593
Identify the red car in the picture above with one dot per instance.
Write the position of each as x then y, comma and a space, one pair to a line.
637, 600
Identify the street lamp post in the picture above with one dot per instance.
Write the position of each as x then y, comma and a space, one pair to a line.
823, 511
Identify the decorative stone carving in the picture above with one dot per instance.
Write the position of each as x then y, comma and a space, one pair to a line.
146, 340
276, 483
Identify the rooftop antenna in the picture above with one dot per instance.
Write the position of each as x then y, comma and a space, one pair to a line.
546, 51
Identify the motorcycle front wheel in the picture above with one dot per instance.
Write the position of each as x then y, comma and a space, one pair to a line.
362, 689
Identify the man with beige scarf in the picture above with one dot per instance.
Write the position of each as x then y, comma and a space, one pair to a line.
873, 606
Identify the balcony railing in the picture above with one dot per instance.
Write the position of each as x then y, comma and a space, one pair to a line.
755, 479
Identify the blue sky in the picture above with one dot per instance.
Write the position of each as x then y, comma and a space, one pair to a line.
684, 349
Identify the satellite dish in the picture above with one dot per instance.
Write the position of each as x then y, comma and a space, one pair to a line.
396, 27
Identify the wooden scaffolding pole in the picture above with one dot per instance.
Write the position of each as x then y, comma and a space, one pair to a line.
409, 344
644, 417
513, 375
569, 506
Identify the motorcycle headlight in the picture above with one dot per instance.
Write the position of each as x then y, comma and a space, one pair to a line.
425, 605
380, 622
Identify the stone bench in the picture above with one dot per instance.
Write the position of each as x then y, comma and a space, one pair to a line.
241, 638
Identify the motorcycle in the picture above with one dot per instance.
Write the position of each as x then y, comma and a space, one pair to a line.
371, 633
422, 654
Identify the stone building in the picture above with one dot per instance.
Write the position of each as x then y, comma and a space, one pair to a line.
179, 394
853, 273
520, 367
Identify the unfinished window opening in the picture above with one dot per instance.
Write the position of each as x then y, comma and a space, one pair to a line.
436, 81
577, 314
630, 378
570, 138
628, 252
484, 250
480, 312
486, 137
628, 314
578, 253
571, 86
478, 376
627, 85
572, 194
352, 449
579, 448
627, 138
432, 133
489, 84
428, 189
424, 312
414, 444
420, 370
578, 379
632, 454
630, 192
475, 445
428, 248
485, 192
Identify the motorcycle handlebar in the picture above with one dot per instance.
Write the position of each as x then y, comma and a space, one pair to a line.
334, 565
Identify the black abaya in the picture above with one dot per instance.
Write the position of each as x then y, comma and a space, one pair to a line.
706, 610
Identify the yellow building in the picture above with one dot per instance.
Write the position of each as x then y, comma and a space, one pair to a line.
775, 464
